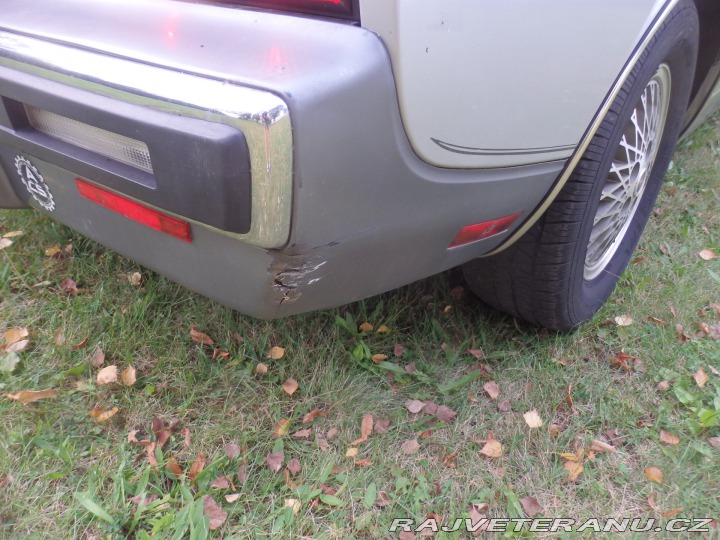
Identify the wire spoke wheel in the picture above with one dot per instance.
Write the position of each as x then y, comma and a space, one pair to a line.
629, 173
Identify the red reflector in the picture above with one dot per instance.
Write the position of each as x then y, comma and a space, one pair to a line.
135, 211
486, 229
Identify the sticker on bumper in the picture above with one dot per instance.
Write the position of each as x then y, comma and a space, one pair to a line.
34, 183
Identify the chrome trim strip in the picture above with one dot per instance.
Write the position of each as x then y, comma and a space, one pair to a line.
262, 117
589, 134
458, 149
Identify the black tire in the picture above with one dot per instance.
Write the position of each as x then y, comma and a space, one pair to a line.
542, 277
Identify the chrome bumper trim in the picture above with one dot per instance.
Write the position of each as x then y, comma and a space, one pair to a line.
262, 116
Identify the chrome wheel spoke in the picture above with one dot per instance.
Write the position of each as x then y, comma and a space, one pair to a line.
629, 173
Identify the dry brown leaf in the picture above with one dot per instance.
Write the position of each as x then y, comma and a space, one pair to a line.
414, 405
302, 433
12, 234
200, 337
132, 436
30, 396
212, 510
332, 432
60, 336
555, 430
477, 353
232, 450
532, 419
491, 389
290, 386
478, 518
103, 414
275, 460
531, 506
18, 346
445, 414
663, 386
701, 378
281, 428
492, 449
128, 376
714, 442
351, 452
14, 335
381, 426
364, 462
366, 428
377, 358
53, 251
80, 345
174, 467
653, 474
261, 369
135, 279
186, 433
232, 497
97, 358
430, 407
366, 327
665, 514
623, 320
197, 466
669, 438
382, 330
398, 350
294, 466
5, 243
312, 415
221, 482
600, 447
107, 375
69, 286
150, 451
276, 353
708, 255
410, 447
574, 470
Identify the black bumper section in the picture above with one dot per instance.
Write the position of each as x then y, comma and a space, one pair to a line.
201, 170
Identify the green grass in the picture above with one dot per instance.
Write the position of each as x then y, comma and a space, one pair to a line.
62, 475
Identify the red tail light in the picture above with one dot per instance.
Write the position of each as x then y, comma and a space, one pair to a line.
135, 211
486, 229
342, 9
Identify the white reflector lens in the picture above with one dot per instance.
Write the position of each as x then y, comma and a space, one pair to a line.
100, 141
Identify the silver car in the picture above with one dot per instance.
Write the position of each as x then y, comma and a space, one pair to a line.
283, 156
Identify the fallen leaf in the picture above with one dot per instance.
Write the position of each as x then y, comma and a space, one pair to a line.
701, 378
294, 466
197, 466
29, 396
312, 415
410, 447
150, 451
295, 504
232, 450
714, 442
366, 428
623, 320
143, 499
653, 474
18, 346
332, 432
364, 462
53, 251
290, 386
60, 336
477, 353
107, 375
80, 345
186, 433
663, 386
504, 406
381, 426
429, 407
274, 461
232, 498
128, 376
600, 447
281, 428
103, 414
69, 286
377, 358
9, 362
708, 255
574, 469
669, 438
261, 369
174, 467
398, 350
302, 433
445, 414
97, 358
532, 419
492, 449
382, 330
212, 510
531, 506
366, 327
5, 243
14, 335
276, 353
491, 389
351, 452
667, 513
682, 336
555, 430
220, 483
200, 337
478, 518
12, 234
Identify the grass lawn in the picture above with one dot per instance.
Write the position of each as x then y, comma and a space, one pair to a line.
218, 436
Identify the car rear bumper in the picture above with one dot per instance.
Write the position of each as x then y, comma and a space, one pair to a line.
290, 163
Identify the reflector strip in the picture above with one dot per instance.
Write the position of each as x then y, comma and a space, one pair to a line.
135, 211
103, 142
486, 229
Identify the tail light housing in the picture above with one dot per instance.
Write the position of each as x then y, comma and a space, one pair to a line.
339, 9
